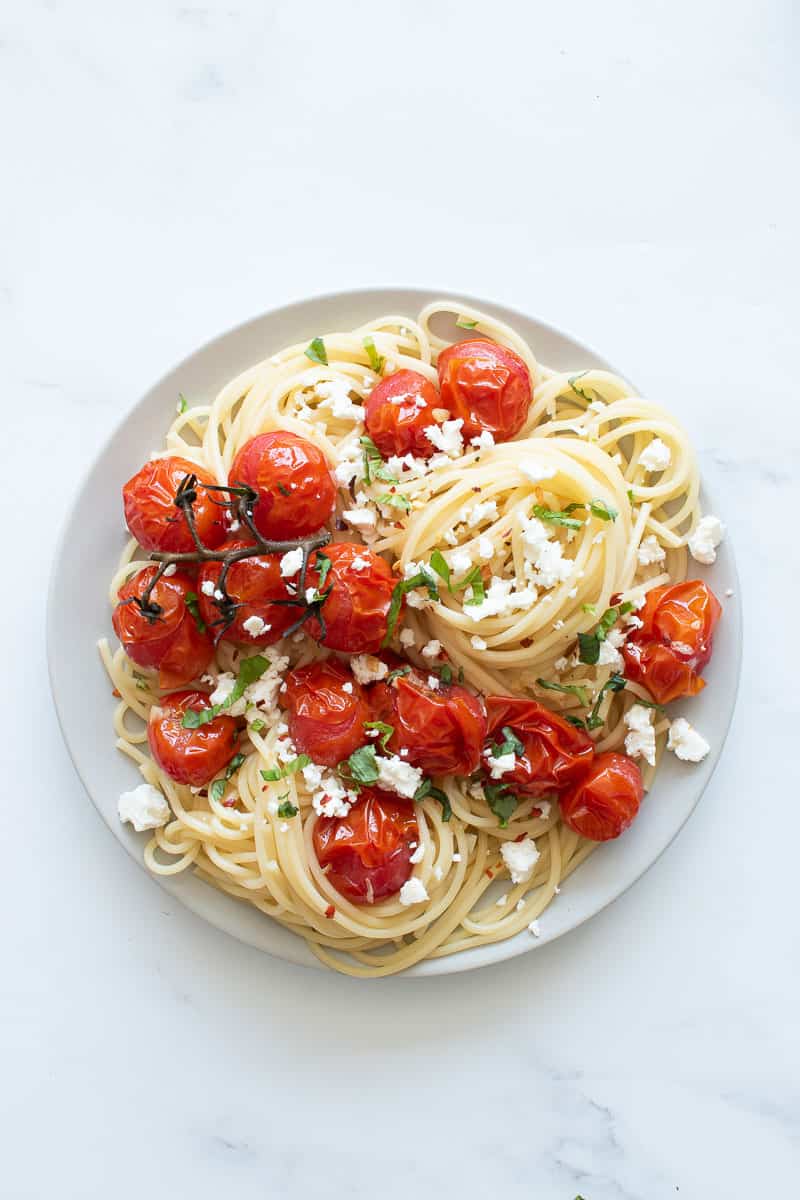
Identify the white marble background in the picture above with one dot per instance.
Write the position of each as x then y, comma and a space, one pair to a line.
626, 170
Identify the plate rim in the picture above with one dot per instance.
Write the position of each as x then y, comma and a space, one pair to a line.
297, 952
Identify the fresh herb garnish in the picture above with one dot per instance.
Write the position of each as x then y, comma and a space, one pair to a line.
569, 689
579, 391
249, 671
217, 789
445, 674
183, 403
589, 643
465, 323
316, 351
287, 809
590, 608
394, 500
426, 788
194, 608
615, 683
556, 517
256, 725
361, 766
421, 579
386, 731
501, 800
376, 360
398, 673
284, 491
630, 495
475, 581
599, 508
442, 568
273, 774
510, 744
373, 463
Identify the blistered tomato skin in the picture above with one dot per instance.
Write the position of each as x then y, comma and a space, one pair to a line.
368, 852
442, 730
557, 755
397, 411
296, 491
255, 584
675, 641
487, 386
357, 610
606, 802
190, 756
171, 643
327, 710
153, 517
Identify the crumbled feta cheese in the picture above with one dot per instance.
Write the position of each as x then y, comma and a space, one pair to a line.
686, 742
561, 664
499, 598
703, 541
446, 437
416, 600
255, 626
264, 692
450, 537
456, 858
537, 469
477, 643
728, 592
534, 929
520, 858
519, 905
360, 563
311, 595
291, 562
655, 457
640, 742
486, 510
550, 565
500, 765
360, 518
207, 587
170, 569
544, 807
501, 900
312, 774
461, 562
418, 854
413, 892
432, 649
407, 637
651, 551
336, 396
145, 807
367, 668
398, 776
433, 682
437, 873
333, 799
610, 656
484, 440
485, 548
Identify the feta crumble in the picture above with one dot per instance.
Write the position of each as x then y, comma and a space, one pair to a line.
367, 668
145, 807
418, 854
291, 562
360, 518
432, 649
398, 776
335, 395
446, 437
407, 637
461, 562
656, 456
485, 548
207, 587
477, 643
686, 742
486, 510
640, 742
255, 626
703, 541
537, 469
413, 892
651, 551
484, 440
500, 765
520, 859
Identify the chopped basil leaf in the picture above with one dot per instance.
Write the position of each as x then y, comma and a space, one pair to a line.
630, 495
217, 789
394, 501
589, 643
194, 609
362, 765
569, 689
316, 351
249, 671
273, 774
386, 731
183, 403
475, 581
460, 674
576, 721
599, 508
398, 673
445, 674
421, 579
284, 491
579, 391
287, 809
256, 725
615, 683
442, 568
323, 565
426, 788
590, 608
648, 703
141, 682
373, 463
501, 800
376, 360
574, 507
556, 517
465, 323
510, 744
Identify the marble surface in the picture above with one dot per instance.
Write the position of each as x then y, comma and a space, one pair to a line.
626, 171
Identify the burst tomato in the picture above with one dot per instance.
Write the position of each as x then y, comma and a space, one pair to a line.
397, 411
443, 729
327, 711
356, 611
675, 640
486, 385
556, 754
192, 756
153, 517
368, 852
295, 488
605, 802
168, 641
255, 584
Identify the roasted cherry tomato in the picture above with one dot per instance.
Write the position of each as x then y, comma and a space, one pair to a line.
675, 640
557, 755
357, 609
255, 584
397, 411
443, 729
153, 517
327, 711
368, 852
486, 385
296, 491
604, 803
192, 756
169, 640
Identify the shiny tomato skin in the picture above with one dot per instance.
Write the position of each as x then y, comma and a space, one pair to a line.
172, 643
152, 516
557, 755
397, 411
487, 385
296, 491
606, 801
675, 641
254, 583
357, 609
190, 756
368, 852
326, 721
443, 729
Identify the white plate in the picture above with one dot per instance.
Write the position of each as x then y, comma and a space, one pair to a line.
78, 613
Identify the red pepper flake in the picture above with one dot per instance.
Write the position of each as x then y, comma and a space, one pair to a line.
536, 812
230, 802
489, 873
526, 642
116, 692
520, 837
330, 911
476, 489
